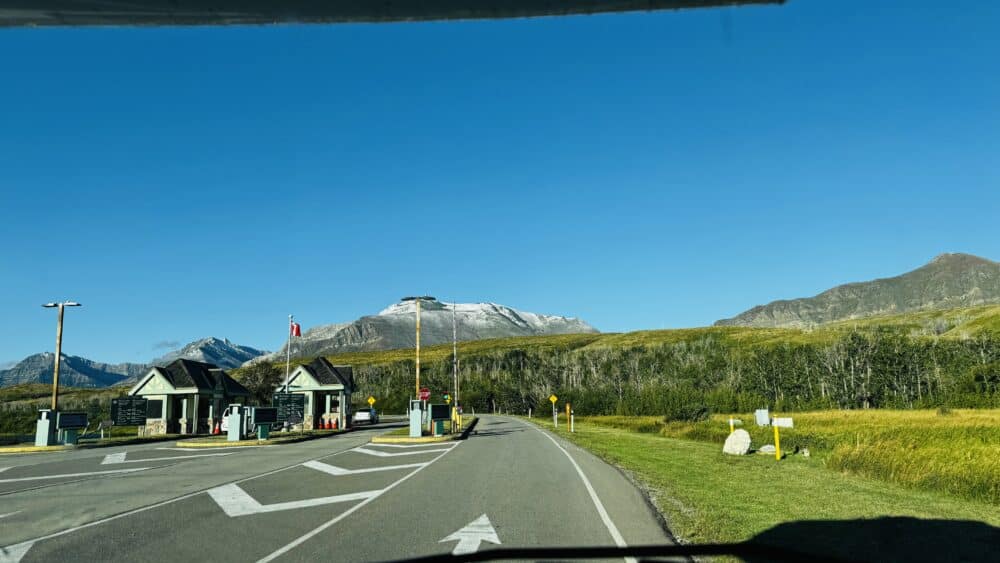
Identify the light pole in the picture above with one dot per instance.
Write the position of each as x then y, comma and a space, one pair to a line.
454, 349
55, 370
418, 300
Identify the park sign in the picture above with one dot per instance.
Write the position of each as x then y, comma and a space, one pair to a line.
291, 407
129, 411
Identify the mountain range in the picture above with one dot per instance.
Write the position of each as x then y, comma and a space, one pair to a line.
391, 328
395, 327
947, 281
75, 371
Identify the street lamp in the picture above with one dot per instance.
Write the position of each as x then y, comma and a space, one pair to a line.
418, 299
55, 371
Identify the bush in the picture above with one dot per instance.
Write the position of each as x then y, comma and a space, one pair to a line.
687, 413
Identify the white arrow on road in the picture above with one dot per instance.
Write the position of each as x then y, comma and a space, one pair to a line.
473, 534
14, 553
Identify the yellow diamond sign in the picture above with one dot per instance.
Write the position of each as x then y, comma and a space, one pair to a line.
371, 400
553, 399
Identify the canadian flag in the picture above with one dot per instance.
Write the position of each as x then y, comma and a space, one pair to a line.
294, 329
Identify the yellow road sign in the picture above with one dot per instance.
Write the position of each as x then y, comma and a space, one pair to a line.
448, 400
553, 399
371, 400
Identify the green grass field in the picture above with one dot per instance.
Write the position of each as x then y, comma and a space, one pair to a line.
707, 496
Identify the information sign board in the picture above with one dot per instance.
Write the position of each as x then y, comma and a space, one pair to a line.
265, 415
440, 412
71, 420
129, 411
289, 405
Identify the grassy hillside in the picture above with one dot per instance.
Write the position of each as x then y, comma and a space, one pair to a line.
922, 359
19, 404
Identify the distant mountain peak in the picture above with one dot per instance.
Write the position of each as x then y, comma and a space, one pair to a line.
219, 351
948, 280
393, 327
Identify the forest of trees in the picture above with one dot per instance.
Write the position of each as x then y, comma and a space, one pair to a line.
882, 368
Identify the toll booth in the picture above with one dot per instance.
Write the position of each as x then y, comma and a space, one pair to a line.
326, 389
186, 397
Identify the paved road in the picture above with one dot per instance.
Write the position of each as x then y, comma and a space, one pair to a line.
339, 498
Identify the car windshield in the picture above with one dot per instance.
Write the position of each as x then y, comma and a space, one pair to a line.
469, 280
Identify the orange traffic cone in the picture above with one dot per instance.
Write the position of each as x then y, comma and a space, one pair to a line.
334, 426
329, 424
216, 429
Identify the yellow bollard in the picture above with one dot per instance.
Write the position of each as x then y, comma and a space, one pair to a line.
731, 427
777, 445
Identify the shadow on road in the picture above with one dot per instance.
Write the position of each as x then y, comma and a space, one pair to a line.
890, 539
497, 432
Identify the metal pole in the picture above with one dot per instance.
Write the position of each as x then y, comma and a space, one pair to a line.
418, 348
55, 371
454, 351
572, 421
288, 352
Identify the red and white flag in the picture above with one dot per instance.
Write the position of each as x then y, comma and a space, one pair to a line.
294, 329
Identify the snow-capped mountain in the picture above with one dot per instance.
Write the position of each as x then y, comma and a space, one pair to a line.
220, 352
394, 327
75, 371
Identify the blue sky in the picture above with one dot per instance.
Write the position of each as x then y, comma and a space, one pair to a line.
638, 171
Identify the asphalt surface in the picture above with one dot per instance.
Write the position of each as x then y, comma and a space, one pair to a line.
337, 498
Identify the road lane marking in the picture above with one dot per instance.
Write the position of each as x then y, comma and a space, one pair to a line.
112, 459
388, 454
10, 513
2, 469
612, 529
214, 448
234, 501
72, 475
473, 534
428, 445
14, 553
334, 470
308, 535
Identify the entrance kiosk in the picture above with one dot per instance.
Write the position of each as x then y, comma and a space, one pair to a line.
237, 423
45, 428
416, 418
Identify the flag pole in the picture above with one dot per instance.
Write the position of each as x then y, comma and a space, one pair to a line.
288, 352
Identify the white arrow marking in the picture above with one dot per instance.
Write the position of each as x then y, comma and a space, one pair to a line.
334, 470
112, 459
14, 553
474, 533
2, 469
387, 454
234, 501
72, 475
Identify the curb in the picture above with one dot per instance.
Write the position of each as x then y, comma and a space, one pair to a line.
425, 439
34, 449
277, 441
